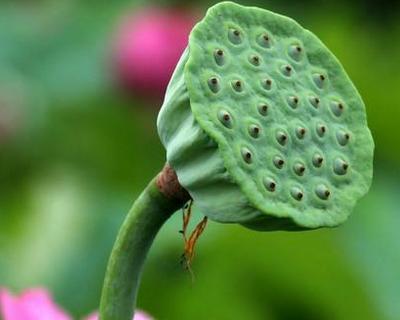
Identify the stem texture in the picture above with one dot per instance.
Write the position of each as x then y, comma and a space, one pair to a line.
147, 215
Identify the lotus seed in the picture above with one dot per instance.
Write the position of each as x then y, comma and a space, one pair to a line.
296, 193
286, 70
219, 57
267, 84
293, 101
319, 80
213, 84
235, 36
299, 168
270, 184
263, 109
300, 132
278, 162
314, 101
225, 118
340, 166
317, 160
321, 130
237, 85
322, 191
254, 131
337, 108
295, 52
246, 154
254, 60
281, 137
264, 40
342, 137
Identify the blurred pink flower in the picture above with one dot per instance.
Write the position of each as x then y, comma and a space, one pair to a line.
38, 304
32, 304
148, 45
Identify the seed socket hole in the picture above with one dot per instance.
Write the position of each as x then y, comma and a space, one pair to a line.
321, 130
300, 132
322, 192
297, 193
213, 84
340, 166
254, 131
278, 162
225, 118
281, 137
263, 109
270, 184
264, 40
247, 155
299, 169
317, 160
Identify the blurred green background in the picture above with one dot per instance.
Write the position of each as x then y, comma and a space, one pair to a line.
76, 148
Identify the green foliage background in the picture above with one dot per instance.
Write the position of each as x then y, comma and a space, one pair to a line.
81, 152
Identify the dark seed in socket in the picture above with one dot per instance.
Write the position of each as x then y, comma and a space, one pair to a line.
225, 118
246, 154
254, 131
286, 70
299, 169
321, 130
278, 162
266, 83
342, 137
219, 57
263, 109
322, 192
281, 137
264, 40
234, 36
213, 84
296, 193
254, 60
270, 184
295, 52
317, 160
237, 85
300, 132
319, 80
340, 166
337, 108
314, 102
293, 101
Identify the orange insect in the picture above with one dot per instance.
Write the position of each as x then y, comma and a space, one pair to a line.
187, 256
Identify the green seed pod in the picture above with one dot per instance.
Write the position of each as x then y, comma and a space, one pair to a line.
257, 120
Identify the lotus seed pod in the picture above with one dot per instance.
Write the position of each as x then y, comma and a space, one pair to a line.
271, 134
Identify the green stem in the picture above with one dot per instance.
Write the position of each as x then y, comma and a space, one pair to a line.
144, 220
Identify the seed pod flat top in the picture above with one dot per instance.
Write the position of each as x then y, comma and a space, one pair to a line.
262, 124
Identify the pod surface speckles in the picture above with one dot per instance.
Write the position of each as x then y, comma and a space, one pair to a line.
292, 102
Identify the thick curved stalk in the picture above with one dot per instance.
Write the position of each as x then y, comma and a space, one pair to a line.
155, 205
